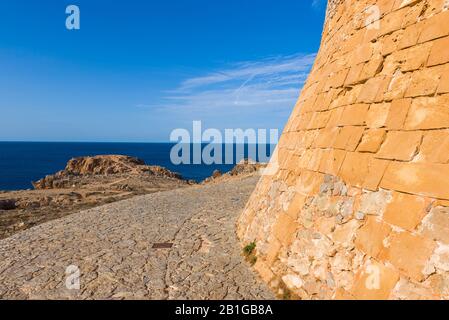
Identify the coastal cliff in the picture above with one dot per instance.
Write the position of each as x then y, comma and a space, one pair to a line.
355, 204
86, 182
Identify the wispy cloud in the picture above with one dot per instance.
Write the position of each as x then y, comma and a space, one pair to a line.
271, 83
317, 3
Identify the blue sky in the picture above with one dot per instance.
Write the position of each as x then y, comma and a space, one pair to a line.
138, 69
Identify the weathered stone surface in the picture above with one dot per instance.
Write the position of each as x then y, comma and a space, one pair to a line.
400, 145
372, 140
371, 236
408, 290
439, 53
435, 147
112, 247
428, 113
418, 178
436, 225
374, 116
375, 281
409, 253
406, 211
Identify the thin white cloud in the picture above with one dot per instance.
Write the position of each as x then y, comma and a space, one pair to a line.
249, 70
269, 84
317, 3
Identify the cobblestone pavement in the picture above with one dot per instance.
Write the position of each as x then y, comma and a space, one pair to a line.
112, 247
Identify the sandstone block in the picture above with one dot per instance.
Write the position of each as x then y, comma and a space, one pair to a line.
410, 35
273, 249
369, 238
406, 211
398, 113
389, 43
400, 145
424, 82
409, 253
335, 117
408, 290
362, 53
375, 281
354, 74
376, 170
371, 89
428, 113
372, 140
309, 182
349, 138
325, 225
415, 57
443, 87
392, 21
398, 85
440, 52
326, 137
344, 234
332, 161
435, 27
377, 115
435, 147
371, 68
415, 9
296, 205
436, 225
284, 229
355, 168
319, 120
417, 178
354, 115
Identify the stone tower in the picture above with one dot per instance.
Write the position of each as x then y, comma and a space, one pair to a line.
355, 204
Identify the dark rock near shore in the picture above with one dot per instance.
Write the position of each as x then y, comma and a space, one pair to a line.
8, 204
216, 174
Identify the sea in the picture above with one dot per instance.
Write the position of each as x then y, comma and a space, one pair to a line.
24, 162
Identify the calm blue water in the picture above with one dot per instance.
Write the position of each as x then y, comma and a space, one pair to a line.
23, 162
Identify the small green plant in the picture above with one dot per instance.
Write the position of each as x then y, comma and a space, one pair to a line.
250, 253
249, 249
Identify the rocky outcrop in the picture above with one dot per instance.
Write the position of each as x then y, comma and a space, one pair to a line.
85, 183
101, 165
355, 202
90, 182
244, 168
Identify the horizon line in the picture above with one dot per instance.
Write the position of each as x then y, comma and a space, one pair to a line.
127, 142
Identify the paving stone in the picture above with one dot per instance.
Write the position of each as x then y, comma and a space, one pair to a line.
112, 247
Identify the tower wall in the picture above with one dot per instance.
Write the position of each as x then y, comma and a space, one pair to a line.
355, 203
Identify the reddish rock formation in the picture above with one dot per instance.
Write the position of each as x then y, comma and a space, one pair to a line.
244, 168
101, 165
355, 204
84, 183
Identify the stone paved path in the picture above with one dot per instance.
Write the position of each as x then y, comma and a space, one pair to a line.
112, 247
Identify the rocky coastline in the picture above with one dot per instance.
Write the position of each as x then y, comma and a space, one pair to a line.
88, 182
